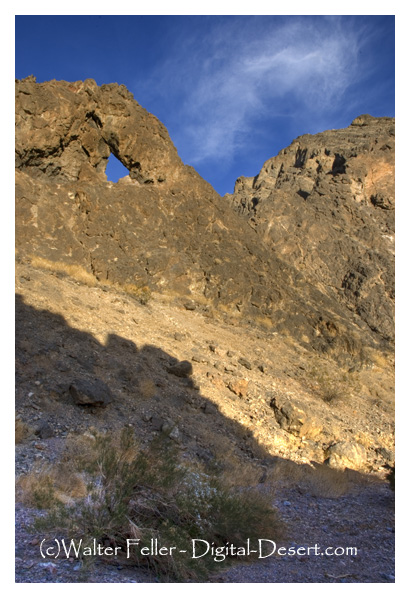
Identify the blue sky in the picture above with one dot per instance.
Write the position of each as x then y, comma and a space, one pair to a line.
231, 90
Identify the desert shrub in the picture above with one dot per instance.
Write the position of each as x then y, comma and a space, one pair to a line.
328, 382
150, 493
330, 392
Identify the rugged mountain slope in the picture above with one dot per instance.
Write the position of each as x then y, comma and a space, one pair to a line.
253, 331
164, 227
299, 260
325, 205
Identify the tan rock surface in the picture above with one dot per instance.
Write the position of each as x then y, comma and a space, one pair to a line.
317, 267
125, 284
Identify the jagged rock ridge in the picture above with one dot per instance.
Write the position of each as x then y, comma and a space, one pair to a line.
326, 283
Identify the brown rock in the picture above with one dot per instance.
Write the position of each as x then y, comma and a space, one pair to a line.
346, 454
239, 387
293, 418
90, 393
182, 369
44, 430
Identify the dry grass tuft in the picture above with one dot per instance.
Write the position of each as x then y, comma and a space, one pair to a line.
74, 271
47, 486
22, 431
318, 479
36, 488
147, 388
329, 382
141, 294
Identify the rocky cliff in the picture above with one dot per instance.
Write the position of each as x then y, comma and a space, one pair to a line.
269, 324
305, 248
325, 205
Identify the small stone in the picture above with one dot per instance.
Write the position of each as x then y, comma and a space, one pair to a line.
157, 423
199, 359
389, 577
168, 426
292, 418
196, 385
209, 408
182, 369
190, 305
49, 567
245, 363
175, 435
386, 454
239, 387
286, 503
44, 430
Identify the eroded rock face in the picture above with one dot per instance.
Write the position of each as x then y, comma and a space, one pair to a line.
66, 132
325, 204
327, 282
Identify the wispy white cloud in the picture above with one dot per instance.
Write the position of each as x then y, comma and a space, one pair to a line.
239, 70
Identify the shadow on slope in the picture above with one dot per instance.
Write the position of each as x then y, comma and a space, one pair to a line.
145, 393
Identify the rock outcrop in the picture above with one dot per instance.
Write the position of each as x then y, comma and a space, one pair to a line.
307, 250
325, 205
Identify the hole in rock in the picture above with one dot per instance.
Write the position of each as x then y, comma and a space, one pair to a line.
115, 170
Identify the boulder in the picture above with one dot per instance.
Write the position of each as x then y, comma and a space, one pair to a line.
44, 430
347, 454
90, 393
292, 417
182, 369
